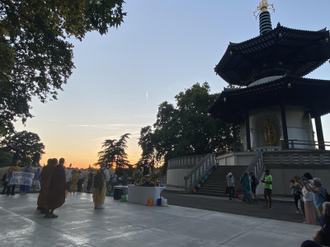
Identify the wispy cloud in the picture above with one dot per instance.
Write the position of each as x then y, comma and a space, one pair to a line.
104, 126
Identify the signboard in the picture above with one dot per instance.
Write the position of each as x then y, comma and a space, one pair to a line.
21, 178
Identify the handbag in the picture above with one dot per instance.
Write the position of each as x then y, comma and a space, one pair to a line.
318, 237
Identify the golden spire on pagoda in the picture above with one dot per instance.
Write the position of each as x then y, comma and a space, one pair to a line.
263, 6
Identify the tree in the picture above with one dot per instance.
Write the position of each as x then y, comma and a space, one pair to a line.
149, 154
6, 158
36, 59
27, 142
187, 129
114, 152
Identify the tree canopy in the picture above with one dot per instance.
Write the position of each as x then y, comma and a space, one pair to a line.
36, 58
186, 129
114, 152
29, 143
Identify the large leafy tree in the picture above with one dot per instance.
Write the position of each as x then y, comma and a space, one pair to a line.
149, 154
114, 152
29, 143
36, 58
187, 129
6, 158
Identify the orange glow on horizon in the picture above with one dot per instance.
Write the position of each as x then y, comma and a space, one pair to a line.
81, 163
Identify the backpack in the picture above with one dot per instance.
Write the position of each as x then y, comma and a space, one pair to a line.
256, 181
99, 179
327, 196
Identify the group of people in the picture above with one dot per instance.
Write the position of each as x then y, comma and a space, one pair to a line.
248, 185
74, 180
307, 192
9, 189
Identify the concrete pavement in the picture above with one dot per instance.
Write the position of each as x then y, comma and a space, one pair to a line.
126, 224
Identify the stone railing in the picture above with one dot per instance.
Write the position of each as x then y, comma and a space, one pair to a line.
199, 171
297, 157
184, 161
257, 165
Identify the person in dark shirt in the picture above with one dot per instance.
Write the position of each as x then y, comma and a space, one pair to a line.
254, 184
90, 181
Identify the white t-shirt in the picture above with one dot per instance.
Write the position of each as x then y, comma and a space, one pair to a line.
307, 196
107, 174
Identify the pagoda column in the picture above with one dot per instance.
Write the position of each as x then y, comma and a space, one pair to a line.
319, 131
247, 129
284, 127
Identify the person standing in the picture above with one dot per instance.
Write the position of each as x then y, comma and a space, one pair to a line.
5, 181
245, 186
80, 181
45, 177
319, 195
114, 180
231, 185
90, 181
295, 187
36, 182
254, 184
268, 187
68, 182
124, 178
26, 188
309, 208
56, 189
100, 188
74, 180
13, 168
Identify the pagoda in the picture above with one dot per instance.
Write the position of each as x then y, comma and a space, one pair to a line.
272, 100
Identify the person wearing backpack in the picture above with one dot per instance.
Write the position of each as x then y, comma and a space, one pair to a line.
319, 193
100, 188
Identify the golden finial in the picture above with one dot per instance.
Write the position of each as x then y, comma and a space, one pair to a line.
263, 6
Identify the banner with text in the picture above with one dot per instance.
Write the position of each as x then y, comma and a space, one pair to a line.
21, 178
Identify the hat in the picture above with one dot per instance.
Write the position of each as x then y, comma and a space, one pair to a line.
230, 174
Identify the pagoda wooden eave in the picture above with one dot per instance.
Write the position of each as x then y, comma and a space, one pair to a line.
278, 52
232, 104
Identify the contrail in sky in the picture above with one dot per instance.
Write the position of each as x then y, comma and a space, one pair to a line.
147, 95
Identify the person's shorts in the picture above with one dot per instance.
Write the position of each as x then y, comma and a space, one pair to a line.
268, 191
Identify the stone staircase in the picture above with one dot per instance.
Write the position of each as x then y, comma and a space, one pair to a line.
216, 184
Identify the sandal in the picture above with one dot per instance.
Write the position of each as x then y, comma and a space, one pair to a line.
49, 216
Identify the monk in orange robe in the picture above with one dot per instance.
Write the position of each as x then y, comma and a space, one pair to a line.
56, 189
46, 174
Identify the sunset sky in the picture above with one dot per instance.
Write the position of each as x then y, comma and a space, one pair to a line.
164, 47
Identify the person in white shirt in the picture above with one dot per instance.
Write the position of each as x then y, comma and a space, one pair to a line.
309, 207
231, 185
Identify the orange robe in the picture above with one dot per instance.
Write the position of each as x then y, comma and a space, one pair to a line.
57, 188
46, 174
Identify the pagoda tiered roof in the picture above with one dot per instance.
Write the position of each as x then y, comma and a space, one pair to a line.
288, 90
278, 52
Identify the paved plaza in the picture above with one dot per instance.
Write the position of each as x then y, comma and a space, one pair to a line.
126, 224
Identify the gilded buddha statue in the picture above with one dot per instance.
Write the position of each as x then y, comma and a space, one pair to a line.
269, 132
